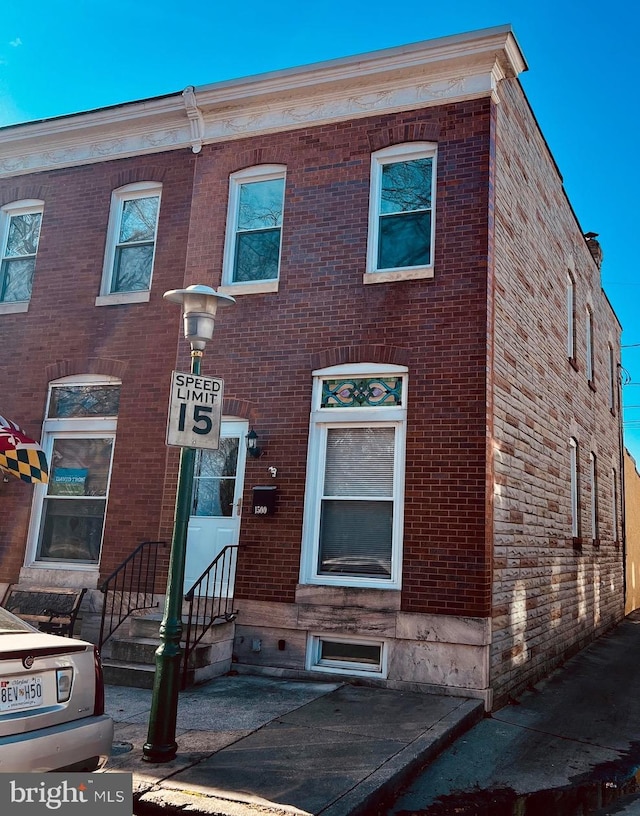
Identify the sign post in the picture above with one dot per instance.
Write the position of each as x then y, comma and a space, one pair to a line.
195, 411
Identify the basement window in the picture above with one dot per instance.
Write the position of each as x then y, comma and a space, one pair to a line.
344, 656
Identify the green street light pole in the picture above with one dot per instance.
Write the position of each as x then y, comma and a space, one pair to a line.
200, 304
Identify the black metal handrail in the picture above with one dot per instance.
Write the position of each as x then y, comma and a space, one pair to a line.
129, 588
210, 601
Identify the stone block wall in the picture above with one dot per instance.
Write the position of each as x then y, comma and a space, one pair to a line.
552, 592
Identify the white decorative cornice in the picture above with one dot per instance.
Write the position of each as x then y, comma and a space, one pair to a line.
449, 69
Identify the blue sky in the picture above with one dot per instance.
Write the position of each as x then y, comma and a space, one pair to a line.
63, 56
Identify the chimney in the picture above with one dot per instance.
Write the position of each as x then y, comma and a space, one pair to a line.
594, 247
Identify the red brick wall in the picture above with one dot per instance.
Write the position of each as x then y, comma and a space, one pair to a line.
266, 346
266, 343
65, 333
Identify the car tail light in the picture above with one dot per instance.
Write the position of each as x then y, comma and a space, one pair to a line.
64, 680
98, 707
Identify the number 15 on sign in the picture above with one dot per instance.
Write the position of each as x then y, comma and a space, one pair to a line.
195, 411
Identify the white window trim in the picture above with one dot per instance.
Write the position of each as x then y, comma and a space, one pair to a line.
593, 478
89, 427
312, 661
571, 317
24, 207
612, 379
614, 503
261, 172
141, 189
404, 152
320, 421
575, 504
589, 344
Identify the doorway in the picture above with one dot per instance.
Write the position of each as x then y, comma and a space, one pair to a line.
216, 507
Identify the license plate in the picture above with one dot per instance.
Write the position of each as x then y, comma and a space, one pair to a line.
20, 692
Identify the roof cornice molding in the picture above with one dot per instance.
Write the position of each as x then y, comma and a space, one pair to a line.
449, 69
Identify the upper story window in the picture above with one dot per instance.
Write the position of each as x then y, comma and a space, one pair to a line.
254, 229
19, 237
571, 317
131, 243
589, 344
401, 212
612, 379
353, 516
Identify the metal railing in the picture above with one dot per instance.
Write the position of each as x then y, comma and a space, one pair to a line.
210, 601
129, 588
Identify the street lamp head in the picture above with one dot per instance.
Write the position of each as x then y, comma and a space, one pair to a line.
199, 304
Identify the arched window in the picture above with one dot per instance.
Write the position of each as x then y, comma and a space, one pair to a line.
575, 488
79, 439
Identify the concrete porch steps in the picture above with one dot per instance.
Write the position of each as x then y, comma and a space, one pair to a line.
129, 655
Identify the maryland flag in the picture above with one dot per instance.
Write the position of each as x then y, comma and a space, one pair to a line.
20, 455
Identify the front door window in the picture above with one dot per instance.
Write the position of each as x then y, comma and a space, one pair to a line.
216, 505
215, 479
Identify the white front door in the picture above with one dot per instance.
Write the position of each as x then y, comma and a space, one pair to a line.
217, 503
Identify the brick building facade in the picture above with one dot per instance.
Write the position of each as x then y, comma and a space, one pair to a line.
420, 340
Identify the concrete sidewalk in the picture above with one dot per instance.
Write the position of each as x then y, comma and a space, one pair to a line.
571, 744
251, 745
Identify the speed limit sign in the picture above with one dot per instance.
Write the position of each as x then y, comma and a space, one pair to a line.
195, 411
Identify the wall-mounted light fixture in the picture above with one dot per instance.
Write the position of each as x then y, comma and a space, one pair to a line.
253, 449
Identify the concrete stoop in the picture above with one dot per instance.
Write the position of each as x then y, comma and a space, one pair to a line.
129, 655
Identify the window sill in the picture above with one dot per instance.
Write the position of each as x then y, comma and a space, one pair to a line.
592, 385
573, 364
119, 298
350, 581
255, 288
393, 275
15, 307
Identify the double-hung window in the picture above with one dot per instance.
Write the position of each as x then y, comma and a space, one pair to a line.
571, 317
401, 212
614, 504
19, 237
355, 477
593, 479
79, 438
589, 350
613, 368
574, 488
131, 243
254, 229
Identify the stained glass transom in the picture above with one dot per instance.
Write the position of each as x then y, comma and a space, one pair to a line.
361, 392
70, 401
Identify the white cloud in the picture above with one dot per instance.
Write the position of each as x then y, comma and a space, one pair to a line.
15, 43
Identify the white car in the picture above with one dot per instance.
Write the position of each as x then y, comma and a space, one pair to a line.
51, 701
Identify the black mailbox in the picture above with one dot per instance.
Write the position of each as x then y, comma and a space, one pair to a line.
264, 500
